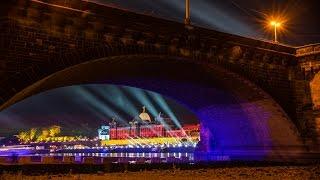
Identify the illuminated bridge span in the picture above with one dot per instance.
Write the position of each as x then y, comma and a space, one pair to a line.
251, 96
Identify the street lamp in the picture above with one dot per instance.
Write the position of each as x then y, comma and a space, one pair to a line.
187, 11
275, 25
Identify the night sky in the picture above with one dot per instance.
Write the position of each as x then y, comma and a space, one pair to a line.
242, 17
84, 108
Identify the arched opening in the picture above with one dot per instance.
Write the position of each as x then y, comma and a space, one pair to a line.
237, 118
103, 119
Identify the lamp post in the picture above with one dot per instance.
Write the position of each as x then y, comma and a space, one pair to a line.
275, 25
187, 18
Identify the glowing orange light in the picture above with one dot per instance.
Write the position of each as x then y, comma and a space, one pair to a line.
276, 25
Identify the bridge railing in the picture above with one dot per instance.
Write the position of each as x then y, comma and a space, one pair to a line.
308, 50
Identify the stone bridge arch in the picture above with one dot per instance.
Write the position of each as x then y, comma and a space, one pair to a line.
40, 38
237, 117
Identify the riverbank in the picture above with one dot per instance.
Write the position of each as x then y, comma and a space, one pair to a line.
269, 172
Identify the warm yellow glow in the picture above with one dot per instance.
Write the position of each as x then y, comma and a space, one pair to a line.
275, 23
160, 140
37, 135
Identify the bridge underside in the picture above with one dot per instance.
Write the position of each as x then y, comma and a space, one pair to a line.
237, 118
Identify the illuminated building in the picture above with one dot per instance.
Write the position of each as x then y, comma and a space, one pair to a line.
159, 130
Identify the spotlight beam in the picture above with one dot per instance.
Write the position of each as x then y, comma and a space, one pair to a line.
97, 104
126, 106
163, 104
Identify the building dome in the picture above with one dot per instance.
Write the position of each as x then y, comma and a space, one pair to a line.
144, 116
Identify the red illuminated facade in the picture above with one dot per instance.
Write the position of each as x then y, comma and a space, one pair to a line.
143, 127
153, 131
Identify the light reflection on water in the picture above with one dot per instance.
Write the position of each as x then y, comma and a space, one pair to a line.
190, 156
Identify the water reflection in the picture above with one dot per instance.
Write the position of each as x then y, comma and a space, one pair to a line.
190, 156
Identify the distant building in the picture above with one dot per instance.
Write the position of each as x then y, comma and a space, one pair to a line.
142, 126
